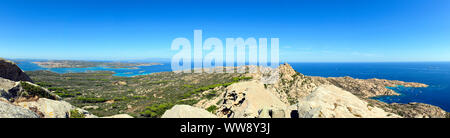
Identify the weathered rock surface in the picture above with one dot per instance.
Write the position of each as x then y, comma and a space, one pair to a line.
271, 113
329, 101
49, 108
186, 111
245, 99
9, 70
119, 116
9, 89
12, 111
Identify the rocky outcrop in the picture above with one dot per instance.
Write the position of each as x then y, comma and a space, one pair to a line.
52, 108
8, 110
291, 85
9, 70
366, 88
329, 101
412, 110
23, 91
186, 111
245, 99
9, 89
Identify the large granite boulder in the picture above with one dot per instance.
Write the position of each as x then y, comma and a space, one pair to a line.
9, 70
186, 111
329, 101
8, 110
49, 108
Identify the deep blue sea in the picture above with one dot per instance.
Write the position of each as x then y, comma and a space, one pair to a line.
435, 74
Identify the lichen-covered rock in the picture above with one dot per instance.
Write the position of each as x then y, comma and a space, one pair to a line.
9, 70
329, 101
50, 108
8, 110
186, 111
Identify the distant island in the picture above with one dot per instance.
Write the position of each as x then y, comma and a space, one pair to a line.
86, 64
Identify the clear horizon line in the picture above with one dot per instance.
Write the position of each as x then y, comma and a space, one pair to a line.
281, 62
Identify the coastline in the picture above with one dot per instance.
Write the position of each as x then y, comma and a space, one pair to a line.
381, 85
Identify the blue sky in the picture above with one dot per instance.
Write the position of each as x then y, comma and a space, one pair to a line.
309, 30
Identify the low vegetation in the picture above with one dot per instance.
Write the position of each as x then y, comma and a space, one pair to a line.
156, 110
76, 114
212, 109
141, 96
31, 91
90, 99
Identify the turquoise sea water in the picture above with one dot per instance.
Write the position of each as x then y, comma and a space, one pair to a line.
435, 74
124, 72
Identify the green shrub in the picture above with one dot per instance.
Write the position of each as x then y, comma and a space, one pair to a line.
209, 87
75, 114
32, 90
236, 79
188, 86
90, 100
139, 97
123, 98
188, 102
156, 110
65, 94
219, 102
212, 109
44, 84
56, 89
